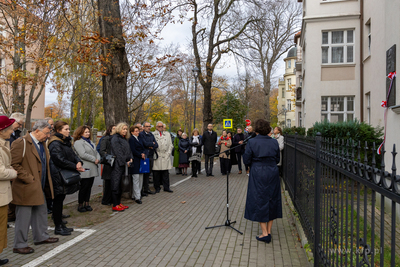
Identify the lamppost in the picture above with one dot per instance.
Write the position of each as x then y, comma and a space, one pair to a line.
51, 112
196, 72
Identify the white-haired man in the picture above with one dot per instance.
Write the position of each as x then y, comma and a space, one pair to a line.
30, 158
17, 125
162, 164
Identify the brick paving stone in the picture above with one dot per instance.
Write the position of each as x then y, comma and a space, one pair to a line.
164, 232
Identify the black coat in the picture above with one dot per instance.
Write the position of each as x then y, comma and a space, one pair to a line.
148, 140
263, 202
137, 149
184, 144
120, 149
14, 136
62, 156
236, 139
105, 148
209, 141
196, 145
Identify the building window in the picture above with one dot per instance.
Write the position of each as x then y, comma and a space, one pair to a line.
369, 36
300, 119
289, 84
288, 123
337, 108
283, 92
368, 95
338, 47
289, 104
289, 63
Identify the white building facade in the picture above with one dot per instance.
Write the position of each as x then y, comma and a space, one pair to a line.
286, 94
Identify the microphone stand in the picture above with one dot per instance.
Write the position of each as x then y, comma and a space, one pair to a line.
228, 222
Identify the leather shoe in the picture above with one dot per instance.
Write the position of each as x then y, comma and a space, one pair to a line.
82, 209
64, 222
150, 192
211, 175
66, 216
158, 191
144, 194
61, 231
47, 241
26, 250
168, 190
266, 239
138, 201
2, 262
88, 208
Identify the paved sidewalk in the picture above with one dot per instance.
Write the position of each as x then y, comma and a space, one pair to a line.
163, 231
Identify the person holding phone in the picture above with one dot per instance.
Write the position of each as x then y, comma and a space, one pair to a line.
86, 150
138, 153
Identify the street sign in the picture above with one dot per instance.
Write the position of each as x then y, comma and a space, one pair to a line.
248, 122
228, 124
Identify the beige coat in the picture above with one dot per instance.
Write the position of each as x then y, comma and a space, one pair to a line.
6, 173
281, 143
224, 147
164, 150
27, 187
88, 155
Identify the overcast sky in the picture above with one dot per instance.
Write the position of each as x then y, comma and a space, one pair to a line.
181, 34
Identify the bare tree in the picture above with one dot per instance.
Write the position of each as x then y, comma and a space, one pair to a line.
267, 39
215, 25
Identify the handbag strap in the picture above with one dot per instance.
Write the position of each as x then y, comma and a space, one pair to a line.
23, 152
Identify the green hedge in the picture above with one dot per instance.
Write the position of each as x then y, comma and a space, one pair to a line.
300, 131
355, 130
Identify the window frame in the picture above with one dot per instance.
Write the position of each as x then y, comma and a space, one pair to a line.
345, 111
345, 44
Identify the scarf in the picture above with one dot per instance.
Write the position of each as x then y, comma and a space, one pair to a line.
195, 140
88, 140
66, 139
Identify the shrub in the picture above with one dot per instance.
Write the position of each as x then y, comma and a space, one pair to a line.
289, 131
355, 130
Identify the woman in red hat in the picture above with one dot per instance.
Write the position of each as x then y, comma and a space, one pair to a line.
6, 174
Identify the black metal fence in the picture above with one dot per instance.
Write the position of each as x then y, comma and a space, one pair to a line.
346, 204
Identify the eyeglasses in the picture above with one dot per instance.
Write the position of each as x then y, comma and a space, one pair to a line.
147, 126
49, 133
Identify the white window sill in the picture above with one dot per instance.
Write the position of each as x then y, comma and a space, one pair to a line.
335, 1
395, 109
341, 65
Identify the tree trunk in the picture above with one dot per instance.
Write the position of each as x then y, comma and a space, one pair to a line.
207, 112
115, 65
267, 91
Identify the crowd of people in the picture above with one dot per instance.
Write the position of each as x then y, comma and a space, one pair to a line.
38, 170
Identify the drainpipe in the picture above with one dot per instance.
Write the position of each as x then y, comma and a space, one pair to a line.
361, 60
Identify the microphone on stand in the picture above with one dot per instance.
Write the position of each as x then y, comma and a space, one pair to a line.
252, 135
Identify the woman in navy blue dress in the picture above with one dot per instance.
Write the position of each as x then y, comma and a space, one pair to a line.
263, 203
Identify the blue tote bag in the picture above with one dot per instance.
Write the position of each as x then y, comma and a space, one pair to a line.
144, 166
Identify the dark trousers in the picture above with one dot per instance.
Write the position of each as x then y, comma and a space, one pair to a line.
225, 165
86, 190
58, 209
146, 176
161, 176
209, 164
116, 176
239, 160
195, 167
107, 199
